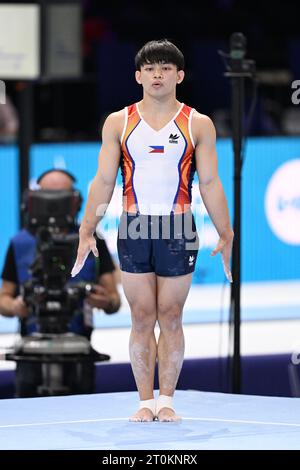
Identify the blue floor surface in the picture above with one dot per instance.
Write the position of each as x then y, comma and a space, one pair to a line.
210, 421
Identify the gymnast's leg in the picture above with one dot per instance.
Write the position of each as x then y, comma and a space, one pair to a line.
171, 295
140, 291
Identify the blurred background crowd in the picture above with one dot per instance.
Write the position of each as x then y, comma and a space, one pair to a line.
113, 32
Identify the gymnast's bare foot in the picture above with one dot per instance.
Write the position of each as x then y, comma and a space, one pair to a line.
144, 415
167, 415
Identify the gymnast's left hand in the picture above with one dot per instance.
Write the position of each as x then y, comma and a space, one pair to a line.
224, 247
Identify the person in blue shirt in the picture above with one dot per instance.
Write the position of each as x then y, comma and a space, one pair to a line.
105, 296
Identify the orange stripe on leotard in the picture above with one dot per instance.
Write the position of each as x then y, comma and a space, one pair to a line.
127, 163
182, 200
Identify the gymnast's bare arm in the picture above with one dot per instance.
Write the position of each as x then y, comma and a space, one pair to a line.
210, 186
102, 187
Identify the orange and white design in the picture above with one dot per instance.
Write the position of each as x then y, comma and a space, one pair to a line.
157, 174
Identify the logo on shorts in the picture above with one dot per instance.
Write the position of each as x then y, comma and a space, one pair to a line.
191, 260
173, 139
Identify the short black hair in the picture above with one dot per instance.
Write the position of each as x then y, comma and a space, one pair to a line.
159, 51
51, 170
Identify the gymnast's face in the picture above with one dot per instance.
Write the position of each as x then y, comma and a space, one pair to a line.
159, 79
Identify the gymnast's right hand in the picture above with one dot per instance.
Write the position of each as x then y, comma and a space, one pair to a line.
87, 243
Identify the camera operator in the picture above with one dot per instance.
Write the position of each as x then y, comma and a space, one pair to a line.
104, 295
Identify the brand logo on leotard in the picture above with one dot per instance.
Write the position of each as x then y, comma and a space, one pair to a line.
173, 139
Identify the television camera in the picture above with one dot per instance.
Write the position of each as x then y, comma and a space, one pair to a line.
51, 295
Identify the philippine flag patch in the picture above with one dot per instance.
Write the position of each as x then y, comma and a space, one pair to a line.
157, 148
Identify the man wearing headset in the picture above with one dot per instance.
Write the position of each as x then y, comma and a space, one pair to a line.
103, 296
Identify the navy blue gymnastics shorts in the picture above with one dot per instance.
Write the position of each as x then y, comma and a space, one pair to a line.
164, 244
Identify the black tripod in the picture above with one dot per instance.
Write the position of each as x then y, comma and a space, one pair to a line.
238, 68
